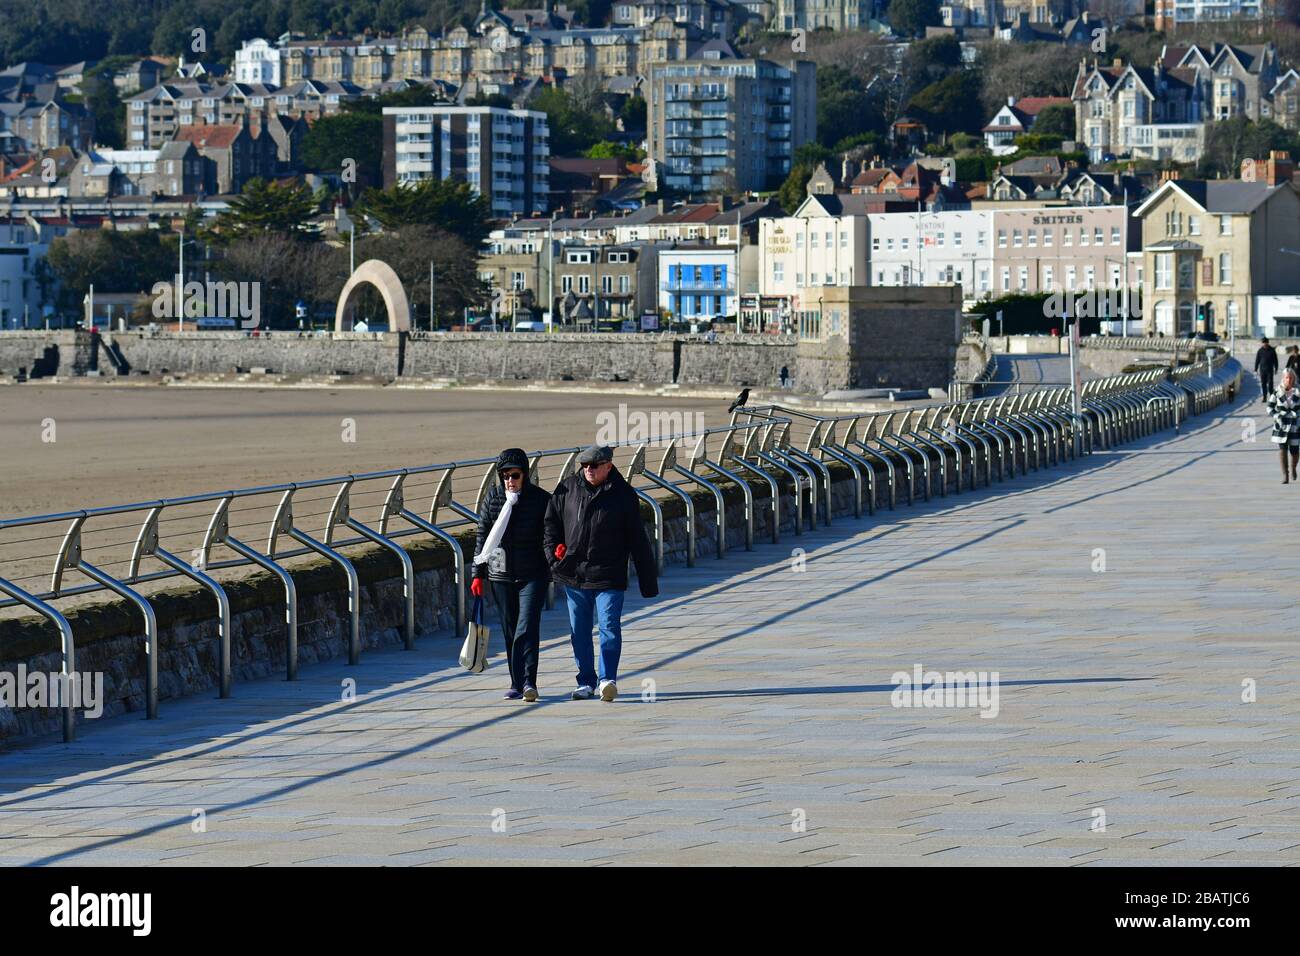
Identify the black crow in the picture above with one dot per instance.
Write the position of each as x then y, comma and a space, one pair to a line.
740, 400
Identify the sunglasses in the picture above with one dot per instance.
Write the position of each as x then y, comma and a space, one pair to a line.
512, 475
598, 464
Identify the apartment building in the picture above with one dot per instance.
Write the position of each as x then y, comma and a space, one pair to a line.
722, 123
1215, 251
503, 154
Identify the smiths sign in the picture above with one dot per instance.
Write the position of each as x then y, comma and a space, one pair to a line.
1057, 220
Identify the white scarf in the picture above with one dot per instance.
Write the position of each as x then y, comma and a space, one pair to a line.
498, 529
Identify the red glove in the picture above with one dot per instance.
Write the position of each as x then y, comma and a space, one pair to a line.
476, 587
559, 552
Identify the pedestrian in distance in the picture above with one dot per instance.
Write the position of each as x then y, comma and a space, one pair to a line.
593, 524
1293, 358
1265, 367
509, 555
1284, 406
785, 375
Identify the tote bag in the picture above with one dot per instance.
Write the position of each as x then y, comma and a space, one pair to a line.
474, 652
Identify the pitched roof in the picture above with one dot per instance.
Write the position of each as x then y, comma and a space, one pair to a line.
209, 137
1033, 105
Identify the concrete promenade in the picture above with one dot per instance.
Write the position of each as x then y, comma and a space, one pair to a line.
1120, 700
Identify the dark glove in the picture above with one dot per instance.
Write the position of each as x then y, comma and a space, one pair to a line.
560, 551
649, 589
476, 587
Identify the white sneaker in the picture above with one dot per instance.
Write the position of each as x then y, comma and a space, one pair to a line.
608, 690
581, 692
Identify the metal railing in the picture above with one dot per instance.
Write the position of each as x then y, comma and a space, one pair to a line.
771, 447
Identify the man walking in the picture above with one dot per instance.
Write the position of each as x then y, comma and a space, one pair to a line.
1265, 366
593, 524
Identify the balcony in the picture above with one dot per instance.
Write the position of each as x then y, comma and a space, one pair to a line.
700, 287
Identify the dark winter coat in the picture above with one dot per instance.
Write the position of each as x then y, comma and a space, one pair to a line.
1266, 360
599, 527
521, 547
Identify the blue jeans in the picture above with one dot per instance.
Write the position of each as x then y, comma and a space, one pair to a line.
605, 608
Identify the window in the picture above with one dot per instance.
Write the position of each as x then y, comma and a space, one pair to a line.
812, 240
1164, 270
1193, 228
1015, 238
875, 244
956, 240
1033, 238
1048, 277
1090, 276
517, 281
1098, 237
606, 284
1225, 225
1069, 277
844, 240
778, 272
1002, 238
798, 280
1067, 237
624, 284
584, 285
798, 241
1083, 235
1023, 285
830, 240
1225, 268
566, 284
1006, 279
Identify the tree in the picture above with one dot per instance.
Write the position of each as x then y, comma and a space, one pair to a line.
1055, 121
410, 250
342, 136
795, 188
945, 106
633, 113
1228, 142
1023, 69
609, 150
114, 261
447, 203
265, 207
911, 17
844, 107
287, 271
573, 125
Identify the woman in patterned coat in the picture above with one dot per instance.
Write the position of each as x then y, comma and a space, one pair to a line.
1284, 406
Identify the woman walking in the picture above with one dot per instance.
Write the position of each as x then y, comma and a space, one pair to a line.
508, 553
1284, 406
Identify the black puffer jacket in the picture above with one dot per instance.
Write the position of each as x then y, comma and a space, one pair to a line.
522, 545
599, 527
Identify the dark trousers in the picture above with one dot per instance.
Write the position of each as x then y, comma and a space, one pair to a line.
1265, 382
519, 605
